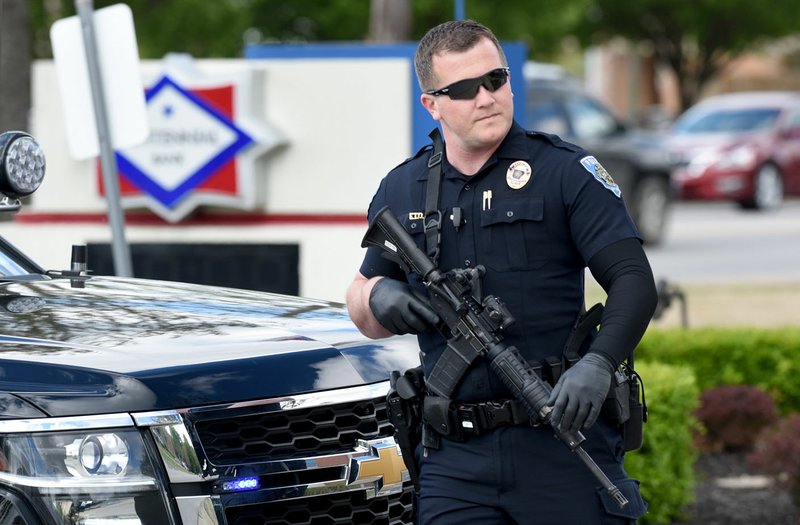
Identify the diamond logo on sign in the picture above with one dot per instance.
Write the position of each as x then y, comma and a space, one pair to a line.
202, 146
188, 141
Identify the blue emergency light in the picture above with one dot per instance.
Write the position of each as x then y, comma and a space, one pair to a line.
241, 485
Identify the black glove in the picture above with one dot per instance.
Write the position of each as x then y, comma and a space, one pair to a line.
397, 308
579, 394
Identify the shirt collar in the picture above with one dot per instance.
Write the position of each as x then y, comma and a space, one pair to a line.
514, 146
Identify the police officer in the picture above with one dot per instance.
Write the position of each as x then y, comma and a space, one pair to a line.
535, 212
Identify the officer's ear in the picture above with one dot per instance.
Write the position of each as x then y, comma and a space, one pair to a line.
430, 103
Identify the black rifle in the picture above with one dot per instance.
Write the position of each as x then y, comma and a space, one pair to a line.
475, 324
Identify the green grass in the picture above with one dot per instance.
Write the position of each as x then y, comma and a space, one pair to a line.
768, 304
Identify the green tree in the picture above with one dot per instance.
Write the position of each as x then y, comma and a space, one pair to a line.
199, 27
543, 25
222, 28
310, 20
695, 38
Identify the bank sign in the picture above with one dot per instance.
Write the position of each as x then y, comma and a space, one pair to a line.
205, 139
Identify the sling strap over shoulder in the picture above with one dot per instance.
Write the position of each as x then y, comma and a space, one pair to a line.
433, 216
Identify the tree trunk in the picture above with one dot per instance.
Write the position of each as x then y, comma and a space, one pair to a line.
389, 20
15, 65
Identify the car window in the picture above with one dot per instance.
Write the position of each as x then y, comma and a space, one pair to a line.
728, 121
544, 115
794, 121
589, 119
9, 267
14, 263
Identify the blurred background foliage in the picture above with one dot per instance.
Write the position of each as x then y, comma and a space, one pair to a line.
220, 28
694, 38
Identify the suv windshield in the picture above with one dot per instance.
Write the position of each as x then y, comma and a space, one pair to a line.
13, 263
588, 118
571, 115
9, 266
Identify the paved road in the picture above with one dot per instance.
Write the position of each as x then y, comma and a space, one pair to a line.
718, 242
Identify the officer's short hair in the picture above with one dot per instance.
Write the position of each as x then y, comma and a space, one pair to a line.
455, 36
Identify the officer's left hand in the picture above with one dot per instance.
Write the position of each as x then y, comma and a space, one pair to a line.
579, 394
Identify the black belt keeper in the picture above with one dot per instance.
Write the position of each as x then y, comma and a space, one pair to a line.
553, 367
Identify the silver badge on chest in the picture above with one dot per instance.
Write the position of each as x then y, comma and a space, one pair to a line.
518, 174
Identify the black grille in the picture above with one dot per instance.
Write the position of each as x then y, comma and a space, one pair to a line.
350, 508
293, 433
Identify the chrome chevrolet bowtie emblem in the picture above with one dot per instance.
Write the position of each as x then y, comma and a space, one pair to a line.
381, 465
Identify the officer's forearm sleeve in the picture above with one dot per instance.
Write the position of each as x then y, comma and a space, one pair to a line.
622, 269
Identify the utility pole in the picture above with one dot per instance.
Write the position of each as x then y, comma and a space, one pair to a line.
108, 161
15, 65
389, 20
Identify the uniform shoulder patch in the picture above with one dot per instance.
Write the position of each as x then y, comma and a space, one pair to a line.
599, 172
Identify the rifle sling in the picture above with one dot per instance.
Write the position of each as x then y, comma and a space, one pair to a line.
433, 216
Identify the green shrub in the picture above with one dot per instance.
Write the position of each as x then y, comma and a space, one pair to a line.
733, 417
767, 358
664, 464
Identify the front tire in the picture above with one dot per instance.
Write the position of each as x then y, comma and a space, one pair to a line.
767, 190
651, 203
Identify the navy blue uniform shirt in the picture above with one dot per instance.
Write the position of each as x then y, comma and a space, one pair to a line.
533, 226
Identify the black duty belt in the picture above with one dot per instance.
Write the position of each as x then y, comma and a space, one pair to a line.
475, 419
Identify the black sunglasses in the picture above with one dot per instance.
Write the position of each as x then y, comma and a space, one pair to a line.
468, 88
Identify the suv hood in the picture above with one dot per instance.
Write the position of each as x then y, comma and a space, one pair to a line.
123, 345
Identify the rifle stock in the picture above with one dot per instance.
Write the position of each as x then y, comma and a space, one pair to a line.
387, 233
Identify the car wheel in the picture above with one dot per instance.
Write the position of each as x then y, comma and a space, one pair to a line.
651, 204
767, 189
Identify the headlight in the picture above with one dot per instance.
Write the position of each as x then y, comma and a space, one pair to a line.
700, 161
97, 455
87, 477
740, 158
21, 164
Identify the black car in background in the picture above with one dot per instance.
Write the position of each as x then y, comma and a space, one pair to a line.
637, 159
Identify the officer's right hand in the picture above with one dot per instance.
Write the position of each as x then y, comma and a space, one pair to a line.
398, 309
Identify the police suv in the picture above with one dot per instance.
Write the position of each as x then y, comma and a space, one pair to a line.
129, 401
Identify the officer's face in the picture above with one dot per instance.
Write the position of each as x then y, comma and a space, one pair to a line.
476, 124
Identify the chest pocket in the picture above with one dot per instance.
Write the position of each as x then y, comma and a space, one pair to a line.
416, 229
514, 234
